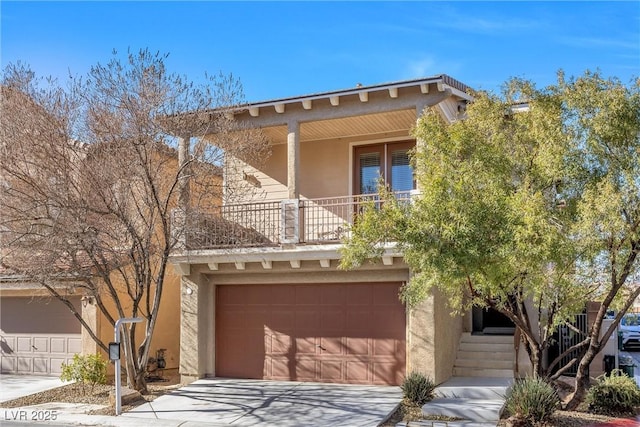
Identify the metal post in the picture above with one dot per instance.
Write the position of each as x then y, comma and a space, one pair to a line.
116, 333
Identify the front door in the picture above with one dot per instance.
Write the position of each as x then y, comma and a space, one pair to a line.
488, 321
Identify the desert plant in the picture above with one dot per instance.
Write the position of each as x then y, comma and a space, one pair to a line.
90, 369
615, 394
531, 400
418, 388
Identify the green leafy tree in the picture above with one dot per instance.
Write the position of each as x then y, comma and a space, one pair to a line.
531, 213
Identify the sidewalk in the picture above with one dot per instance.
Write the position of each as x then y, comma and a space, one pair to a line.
74, 415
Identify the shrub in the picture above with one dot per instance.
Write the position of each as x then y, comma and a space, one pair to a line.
89, 369
615, 394
531, 401
417, 388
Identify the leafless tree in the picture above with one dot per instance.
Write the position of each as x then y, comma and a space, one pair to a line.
89, 177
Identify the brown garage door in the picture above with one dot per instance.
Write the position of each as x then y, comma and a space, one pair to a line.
342, 333
37, 335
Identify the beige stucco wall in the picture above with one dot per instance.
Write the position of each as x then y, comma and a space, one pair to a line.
325, 171
433, 338
165, 334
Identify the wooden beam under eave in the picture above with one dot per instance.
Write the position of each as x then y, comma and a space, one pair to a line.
213, 266
240, 265
441, 87
335, 100
393, 92
307, 104
267, 265
254, 111
387, 260
295, 263
279, 108
364, 96
424, 88
325, 263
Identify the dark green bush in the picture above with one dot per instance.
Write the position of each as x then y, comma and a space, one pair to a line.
531, 401
616, 394
417, 388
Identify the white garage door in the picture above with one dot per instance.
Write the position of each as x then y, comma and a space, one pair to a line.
37, 335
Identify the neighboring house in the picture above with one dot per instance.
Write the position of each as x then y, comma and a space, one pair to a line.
38, 332
262, 296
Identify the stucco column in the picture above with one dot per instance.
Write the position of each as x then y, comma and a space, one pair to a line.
420, 107
293, 158
179, 219
195, 329
184, 149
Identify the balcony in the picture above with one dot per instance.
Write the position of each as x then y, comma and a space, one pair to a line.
275, 223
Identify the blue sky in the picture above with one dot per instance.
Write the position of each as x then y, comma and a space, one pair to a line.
281, 49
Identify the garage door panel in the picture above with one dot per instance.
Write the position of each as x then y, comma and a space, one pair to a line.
306, 346
55, 365
384, 347
24, 345
332, 320
331, 370
282, 319
306, 295
324, 332
359, 295
308, 319
357, 372
8, 364
58, 345
358, 321
331, 345
41, 345
255, 319
25, 365
40, 365
357, 346
332, 295
74, 345
386, 373
280, 344
306, 369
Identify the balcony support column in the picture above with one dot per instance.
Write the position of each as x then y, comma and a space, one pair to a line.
179, 220
420, 109
293, 159
184, 149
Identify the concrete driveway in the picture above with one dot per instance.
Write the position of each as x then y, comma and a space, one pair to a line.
273, 403
15, 386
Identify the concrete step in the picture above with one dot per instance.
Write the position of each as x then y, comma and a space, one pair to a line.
487, 339
492, 363
462, 371
486, 347
474, 388
495, 355
478, 410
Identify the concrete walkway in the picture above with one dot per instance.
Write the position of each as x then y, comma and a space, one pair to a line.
477, 400
273, 403
15, 386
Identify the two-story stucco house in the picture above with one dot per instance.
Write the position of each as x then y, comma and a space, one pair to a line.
261, 294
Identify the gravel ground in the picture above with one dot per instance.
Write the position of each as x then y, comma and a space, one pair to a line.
99, 395
408, 412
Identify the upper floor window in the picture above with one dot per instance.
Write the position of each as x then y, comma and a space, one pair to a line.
389, 161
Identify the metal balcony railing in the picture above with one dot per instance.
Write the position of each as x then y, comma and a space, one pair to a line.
294, 221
